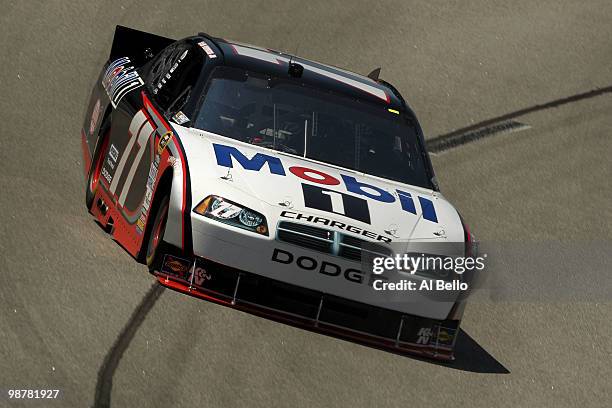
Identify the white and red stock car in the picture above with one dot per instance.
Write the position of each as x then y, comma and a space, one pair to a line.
258, 180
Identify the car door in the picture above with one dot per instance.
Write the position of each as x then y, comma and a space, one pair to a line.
168, 77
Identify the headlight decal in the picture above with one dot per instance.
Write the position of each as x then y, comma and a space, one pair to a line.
229, 212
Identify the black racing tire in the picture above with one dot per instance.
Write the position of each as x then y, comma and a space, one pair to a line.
154, 241
93, 176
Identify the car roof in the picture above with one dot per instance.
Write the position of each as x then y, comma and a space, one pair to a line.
276, 63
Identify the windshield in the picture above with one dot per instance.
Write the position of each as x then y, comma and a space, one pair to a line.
284, 115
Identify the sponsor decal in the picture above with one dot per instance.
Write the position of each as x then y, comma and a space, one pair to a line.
180, 118
106, 175
149, 188
185, 270
424, 335
332, 223
176, 266
327, 268
146, 204
322, 197
140, 225
95, 115
120, 78
174, 162
163, 142
209, 51
113, 153
173, 265
446, 336
200, 276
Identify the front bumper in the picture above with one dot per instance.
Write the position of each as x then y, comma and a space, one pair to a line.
304, 267
309, 309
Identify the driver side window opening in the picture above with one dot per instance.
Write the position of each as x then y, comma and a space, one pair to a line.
174, 73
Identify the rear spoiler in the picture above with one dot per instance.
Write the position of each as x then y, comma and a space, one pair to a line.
136, 44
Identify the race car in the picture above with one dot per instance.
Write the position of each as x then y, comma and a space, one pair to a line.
262, 181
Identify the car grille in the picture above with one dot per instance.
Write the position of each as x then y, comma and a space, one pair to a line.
328, 241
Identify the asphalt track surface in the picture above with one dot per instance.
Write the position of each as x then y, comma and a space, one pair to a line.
78, 314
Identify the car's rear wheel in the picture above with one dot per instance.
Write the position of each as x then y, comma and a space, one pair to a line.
156, 234
93, 179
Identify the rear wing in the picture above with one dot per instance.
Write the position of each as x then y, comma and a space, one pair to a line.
137, 45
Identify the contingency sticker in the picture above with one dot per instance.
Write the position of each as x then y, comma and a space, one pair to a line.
119, 79
209, 51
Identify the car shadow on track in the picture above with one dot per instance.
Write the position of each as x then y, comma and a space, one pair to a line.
470, 356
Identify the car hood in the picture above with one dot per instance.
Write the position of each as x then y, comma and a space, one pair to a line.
272, 189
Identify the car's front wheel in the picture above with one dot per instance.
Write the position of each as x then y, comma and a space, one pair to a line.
157, 232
